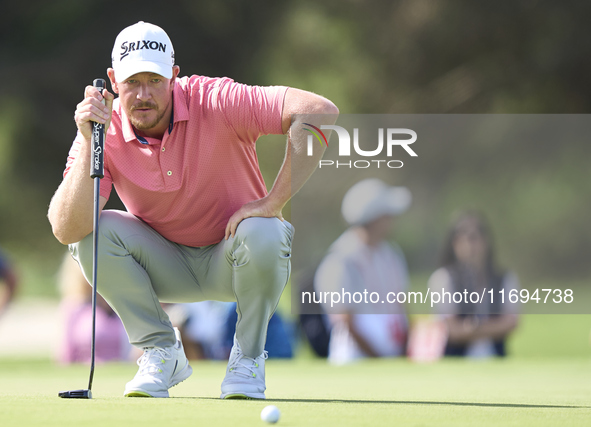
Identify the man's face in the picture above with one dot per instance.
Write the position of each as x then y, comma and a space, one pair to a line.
146, 98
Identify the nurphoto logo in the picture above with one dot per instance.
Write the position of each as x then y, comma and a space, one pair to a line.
385, 138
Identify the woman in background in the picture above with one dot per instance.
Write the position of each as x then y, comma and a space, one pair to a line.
479, 329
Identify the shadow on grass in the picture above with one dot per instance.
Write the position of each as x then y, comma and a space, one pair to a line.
405, 402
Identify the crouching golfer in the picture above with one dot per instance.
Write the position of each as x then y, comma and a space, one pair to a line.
200, 224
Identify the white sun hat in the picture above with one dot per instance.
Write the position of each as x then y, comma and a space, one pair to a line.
371, 199
142, 47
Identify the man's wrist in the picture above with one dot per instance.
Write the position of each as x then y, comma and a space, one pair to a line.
277, 203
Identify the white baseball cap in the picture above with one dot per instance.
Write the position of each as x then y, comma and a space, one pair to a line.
371, 199
142, 47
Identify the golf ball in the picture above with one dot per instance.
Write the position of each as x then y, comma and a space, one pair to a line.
270, 414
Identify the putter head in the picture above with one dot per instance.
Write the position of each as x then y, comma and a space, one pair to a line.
76, 394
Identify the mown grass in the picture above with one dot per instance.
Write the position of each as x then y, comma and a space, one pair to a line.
512, 392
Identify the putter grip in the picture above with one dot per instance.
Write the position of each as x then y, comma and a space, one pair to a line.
98, 140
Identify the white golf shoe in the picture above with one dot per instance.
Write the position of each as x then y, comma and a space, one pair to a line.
160, 369
245, 376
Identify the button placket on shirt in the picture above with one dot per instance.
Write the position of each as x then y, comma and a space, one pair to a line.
163, 166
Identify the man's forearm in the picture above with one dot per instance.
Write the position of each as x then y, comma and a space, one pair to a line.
299, 107
71, 208
297, 166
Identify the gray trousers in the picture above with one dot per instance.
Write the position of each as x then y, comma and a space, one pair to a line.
138, 269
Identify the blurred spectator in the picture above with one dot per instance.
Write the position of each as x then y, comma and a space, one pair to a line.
279, 334
314, 326
208, 329
474, 330
362, 260
8, 283
76, 317
202, 325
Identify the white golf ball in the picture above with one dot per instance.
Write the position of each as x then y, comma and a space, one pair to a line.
270, 414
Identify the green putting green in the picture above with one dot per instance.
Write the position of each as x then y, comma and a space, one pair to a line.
512, 392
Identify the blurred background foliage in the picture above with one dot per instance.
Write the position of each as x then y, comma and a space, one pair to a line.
373, 56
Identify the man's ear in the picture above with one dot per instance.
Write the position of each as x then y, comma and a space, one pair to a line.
175, 72
111, 74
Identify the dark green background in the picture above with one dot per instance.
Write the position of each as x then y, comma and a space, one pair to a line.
383, 57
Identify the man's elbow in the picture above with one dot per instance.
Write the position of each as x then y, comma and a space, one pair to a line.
324, 106
62, 236
318, 110
65, 235
311, 103
307, 107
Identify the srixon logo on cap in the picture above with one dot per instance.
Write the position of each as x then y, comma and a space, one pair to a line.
127, 47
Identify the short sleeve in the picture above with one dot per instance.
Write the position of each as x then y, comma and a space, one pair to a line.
252, 111
106, 181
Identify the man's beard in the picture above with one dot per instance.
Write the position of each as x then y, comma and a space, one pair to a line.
143, 125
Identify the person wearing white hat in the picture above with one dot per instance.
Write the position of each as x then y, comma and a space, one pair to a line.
200, 223
360, 260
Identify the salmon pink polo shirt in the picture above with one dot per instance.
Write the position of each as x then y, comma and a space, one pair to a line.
187, 185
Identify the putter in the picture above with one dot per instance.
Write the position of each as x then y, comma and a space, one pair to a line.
96, 173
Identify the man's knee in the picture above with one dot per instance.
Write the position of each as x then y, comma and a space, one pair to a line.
82, 252
116, 223
111, 223
263, 239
